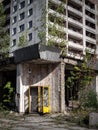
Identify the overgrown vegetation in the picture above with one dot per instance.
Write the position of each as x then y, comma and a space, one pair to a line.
56, 34
56, 30
83, 74
8, 99
4, 36
22, 40
88, 99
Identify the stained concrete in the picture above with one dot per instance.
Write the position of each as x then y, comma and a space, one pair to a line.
93, 119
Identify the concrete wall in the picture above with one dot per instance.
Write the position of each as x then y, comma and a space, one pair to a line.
39, 75
38, 7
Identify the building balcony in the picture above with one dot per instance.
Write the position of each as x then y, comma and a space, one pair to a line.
91, 29
75, 11
75, 34
57, 27
91, 40
54, 13
90, 19
92, 51
75, 22
58, 2
77, 2
90, 9
72, 44
56, 39
75, 56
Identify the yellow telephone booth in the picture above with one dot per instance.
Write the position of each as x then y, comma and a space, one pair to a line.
39, 99
44, 99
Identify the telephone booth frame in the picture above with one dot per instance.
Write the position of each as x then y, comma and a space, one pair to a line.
43, 99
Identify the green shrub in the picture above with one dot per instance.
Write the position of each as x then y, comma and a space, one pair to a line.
88, 99
8, 94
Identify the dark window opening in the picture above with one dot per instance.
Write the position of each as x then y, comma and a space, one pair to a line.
75, 28
71, 92
30, 12
74, 17
90, 14
90, 45
22, 5
30, 36
89, 24
30, 1
22, 16
91, 35
21, 27
74, 5
15, 8
90, 4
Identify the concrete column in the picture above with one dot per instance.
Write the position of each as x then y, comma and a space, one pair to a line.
19, 90
62, 86
96, 18
84, 29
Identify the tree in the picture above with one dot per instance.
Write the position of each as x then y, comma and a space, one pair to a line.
82, 75
4, 36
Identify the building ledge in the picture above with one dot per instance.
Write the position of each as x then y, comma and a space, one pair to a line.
36, 52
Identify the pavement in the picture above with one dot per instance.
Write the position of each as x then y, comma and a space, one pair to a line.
37, 122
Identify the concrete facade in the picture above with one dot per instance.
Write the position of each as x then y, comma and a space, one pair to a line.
29, 75
31, 22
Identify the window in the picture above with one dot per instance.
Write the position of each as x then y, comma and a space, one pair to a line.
22, 5
30, 12
30, 24
14, 42
15, 8
21, 27
14, 19
30, 36
14, 31
22, 16
30, 1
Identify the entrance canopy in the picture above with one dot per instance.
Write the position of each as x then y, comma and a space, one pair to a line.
36, 52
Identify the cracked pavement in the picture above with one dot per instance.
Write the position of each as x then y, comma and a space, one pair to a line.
37, 122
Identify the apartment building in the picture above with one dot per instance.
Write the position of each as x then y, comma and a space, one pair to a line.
38, 29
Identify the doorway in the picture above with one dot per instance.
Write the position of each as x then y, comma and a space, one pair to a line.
71, 89
39, 99
34, 99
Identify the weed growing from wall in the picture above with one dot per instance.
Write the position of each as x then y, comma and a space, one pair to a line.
22, 40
